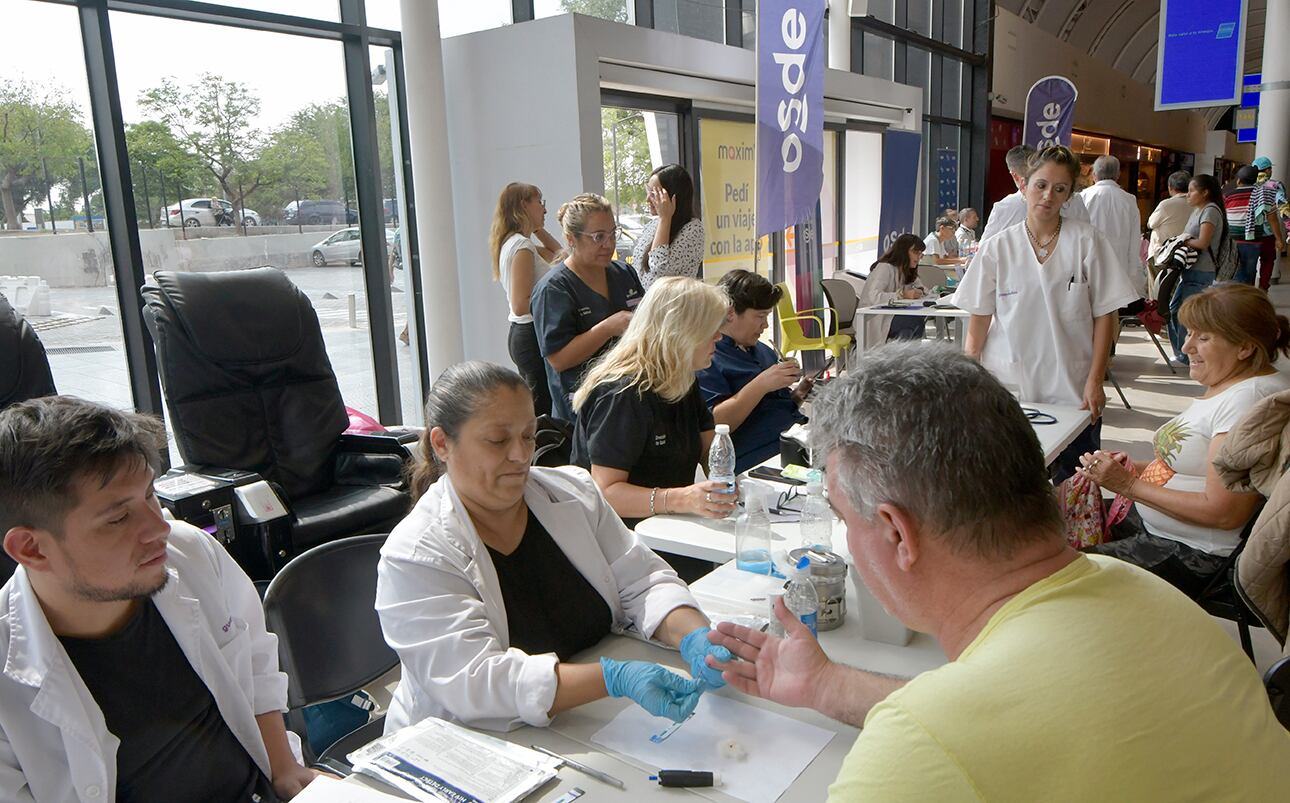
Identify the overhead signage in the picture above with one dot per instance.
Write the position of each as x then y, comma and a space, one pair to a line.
1200, 54
790, 111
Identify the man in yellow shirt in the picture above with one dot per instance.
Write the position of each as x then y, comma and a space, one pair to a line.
1070, 676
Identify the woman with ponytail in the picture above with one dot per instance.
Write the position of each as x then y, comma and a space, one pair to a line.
503, 571
1185, 521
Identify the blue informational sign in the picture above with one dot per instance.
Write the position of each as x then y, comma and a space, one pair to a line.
947, 179
1249, 100
1201, 53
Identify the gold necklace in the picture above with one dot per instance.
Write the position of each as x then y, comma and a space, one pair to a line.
1043, 247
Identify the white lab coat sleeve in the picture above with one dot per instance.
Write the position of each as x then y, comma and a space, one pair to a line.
976, 293
1108, 283
438, 626
13, 782
648, 588
875, 291
269, 691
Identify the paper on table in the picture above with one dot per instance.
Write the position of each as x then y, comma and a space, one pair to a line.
778, 748
438, 760
330, 790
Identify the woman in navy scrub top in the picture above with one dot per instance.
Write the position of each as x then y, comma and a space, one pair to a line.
642, 424
583, 305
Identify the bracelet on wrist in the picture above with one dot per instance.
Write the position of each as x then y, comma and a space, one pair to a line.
666, 509
651, 500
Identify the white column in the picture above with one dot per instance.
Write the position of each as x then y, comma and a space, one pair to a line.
432, 183
840, 35
1274, 103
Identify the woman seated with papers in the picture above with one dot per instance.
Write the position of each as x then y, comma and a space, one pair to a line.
894, 277
502, 572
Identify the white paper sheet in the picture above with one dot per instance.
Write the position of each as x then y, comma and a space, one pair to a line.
330, 790
778, 748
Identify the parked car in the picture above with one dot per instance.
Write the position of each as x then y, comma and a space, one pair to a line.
630, 228
345, 245
197, 212
313, 213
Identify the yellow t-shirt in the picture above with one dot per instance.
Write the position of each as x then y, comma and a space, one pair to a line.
1098, 683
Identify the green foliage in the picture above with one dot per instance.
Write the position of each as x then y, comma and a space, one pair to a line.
160, 163
34, 127
615, 10
211, 119
623, 137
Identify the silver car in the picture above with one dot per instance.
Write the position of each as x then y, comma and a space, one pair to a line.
345, 246
197, 212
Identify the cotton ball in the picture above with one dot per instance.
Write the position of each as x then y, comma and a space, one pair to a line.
732, 749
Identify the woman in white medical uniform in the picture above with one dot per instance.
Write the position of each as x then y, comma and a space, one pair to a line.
1043, 295
503, 572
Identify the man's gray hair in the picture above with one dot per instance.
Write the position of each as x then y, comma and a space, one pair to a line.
1105, 167
927, 429
965, 211
1178, 180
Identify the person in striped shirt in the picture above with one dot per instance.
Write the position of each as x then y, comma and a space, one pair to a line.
1255, 226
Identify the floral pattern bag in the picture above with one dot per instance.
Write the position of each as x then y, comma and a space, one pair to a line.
1080, 501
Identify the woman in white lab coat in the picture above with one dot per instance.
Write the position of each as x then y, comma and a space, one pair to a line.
1043, 295
502, 572
894, 276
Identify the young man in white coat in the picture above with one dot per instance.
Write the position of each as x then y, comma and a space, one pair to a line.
136, 661
1011, 209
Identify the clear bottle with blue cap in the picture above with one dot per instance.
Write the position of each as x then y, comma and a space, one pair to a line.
800, 596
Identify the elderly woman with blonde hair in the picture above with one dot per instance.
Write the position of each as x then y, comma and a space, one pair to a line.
642, 424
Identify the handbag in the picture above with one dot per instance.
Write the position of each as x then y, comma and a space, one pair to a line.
1080, 501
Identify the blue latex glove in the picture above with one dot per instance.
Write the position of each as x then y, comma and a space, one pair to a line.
659, 691
694, 647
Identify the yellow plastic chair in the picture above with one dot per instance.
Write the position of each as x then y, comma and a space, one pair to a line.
793, 339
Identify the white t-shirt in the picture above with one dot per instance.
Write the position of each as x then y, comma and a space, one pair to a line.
935, 248
1182, 446
966, 237
518, 242
1041, 338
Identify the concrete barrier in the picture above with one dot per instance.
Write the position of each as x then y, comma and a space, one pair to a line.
82, 259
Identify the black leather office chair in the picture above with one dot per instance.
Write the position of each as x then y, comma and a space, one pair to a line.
24, 367
322, 608
250, 388
1220, 598
24, 374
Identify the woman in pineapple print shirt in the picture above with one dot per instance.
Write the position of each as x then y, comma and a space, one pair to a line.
1185, 521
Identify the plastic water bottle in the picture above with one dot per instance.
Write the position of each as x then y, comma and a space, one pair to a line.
800, 597
752, 535
721, 458
817, 519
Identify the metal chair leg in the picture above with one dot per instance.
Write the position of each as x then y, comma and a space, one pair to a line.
1159, 348
1118, 390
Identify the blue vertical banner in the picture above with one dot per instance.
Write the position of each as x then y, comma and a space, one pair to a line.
947, 179
790, 111
900, 151
1050, 113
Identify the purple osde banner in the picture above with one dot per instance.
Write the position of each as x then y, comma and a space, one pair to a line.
790, 111
1050, 113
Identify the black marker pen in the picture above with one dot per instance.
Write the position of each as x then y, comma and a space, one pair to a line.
686, 778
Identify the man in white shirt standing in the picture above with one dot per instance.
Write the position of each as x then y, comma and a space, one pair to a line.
137, 665
1114, 213
1011, 210
1170, 216
966, 232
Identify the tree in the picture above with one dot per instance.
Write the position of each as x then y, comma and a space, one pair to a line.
33, 128
626, 158
212, 119
155, 153
615, 10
